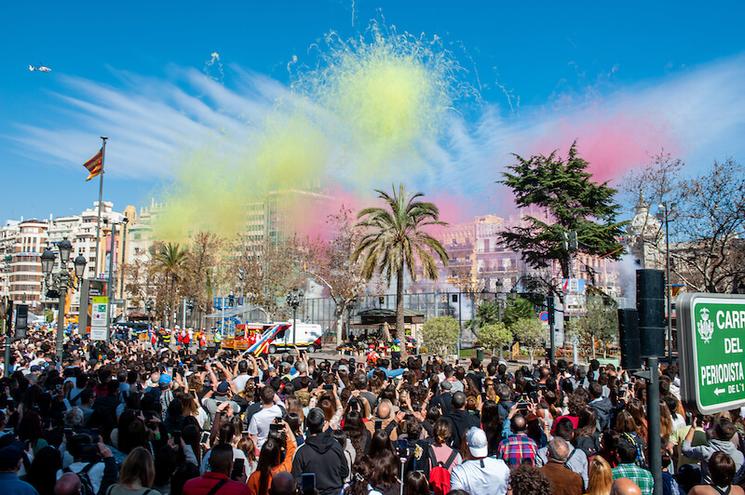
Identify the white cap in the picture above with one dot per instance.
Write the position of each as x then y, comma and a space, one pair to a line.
477, 443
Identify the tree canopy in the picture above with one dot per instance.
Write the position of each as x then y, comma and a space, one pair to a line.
574, 203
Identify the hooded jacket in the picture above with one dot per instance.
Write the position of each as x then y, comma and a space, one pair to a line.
603, 409
704, 452
323, 455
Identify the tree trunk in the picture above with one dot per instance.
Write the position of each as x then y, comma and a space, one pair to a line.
400, 332
592, 342
339, 318
530, 355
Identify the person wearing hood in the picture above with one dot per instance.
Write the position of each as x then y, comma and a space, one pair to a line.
602, 406
321, 454
721, 441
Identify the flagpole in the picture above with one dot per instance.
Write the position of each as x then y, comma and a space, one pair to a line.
100, 204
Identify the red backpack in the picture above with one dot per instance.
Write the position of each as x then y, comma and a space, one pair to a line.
439, 474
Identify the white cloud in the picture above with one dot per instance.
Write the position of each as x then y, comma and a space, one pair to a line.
153, 124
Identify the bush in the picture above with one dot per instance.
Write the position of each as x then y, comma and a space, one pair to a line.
440, 335
494, 336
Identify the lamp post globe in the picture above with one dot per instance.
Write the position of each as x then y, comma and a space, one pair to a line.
65, 248
79, 263
47, 261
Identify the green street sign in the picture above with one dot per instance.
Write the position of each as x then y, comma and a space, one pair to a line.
712, 350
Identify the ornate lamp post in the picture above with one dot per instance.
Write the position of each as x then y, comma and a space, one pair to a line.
294, 299
59, 283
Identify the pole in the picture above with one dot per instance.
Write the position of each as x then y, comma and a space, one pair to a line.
551, 328
294, 321
8, 320
669, 290
183, 313
460, 326
100, 204
653, 420
110, 283
61, 317
121, 266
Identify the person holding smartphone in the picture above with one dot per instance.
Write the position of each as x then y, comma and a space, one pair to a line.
271, 461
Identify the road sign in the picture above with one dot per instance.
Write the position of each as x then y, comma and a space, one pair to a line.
99, 310
712, 351
543, 316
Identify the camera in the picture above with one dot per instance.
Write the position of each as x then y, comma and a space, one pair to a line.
277, 431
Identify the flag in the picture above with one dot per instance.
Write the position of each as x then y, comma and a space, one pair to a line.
94, 165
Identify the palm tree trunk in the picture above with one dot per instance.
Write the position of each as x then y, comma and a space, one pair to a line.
400, 332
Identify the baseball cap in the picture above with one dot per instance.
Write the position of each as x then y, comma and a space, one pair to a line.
164, 379
477, 443
222, 388
446, 385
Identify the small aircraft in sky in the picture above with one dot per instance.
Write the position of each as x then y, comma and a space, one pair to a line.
39, 68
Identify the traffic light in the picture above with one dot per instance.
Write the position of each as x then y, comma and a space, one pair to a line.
628, 338
650, 304
21, 323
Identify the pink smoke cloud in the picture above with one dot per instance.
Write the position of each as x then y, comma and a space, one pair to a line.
613, 144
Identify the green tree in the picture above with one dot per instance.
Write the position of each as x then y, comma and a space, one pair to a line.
494, 336
169, 260
600, 323
530, 333
517, 308
395, 238
573, 202
48, 315
440, 335
486, 313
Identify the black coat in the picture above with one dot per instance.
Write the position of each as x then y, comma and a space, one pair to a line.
460, 422
322, 454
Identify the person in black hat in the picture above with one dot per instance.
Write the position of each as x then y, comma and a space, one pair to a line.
11, 458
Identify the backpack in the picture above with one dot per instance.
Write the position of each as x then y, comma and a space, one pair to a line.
86, 487
640, 460
439, 474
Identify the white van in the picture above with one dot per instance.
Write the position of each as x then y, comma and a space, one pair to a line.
306, 335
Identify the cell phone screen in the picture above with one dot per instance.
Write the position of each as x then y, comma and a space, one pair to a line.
237, 468
308, 483
205, 438
378, 424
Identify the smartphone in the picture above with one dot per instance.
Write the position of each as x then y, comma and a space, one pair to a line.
308, 483
205, 438
402, 446
256, 380
176, 437
328, 386
237, 471
378, 424
276, 427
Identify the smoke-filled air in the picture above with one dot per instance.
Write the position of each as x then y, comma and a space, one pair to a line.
355, 115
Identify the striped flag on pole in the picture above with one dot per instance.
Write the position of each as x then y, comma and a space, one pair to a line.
94, 165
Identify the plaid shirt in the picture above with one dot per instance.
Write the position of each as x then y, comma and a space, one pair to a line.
638, 475
517, 448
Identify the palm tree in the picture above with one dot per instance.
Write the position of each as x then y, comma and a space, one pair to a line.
395, 239
169, 260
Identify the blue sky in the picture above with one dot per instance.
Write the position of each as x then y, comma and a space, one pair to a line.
560, 63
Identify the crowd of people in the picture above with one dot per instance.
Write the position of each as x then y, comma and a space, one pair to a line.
129, 418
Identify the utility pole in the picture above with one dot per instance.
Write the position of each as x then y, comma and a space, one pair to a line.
651, 375
669, 288
8, 324
460, 325
110, 282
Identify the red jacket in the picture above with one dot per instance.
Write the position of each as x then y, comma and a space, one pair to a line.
203, 484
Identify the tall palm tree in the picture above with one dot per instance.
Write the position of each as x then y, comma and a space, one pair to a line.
170, 259
395, 239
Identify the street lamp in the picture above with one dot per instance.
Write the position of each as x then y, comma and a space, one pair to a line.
664, 212
294, 298
59, 283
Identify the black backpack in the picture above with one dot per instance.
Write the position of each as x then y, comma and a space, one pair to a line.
86, 487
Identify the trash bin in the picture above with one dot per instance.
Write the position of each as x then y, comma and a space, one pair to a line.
480, 353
